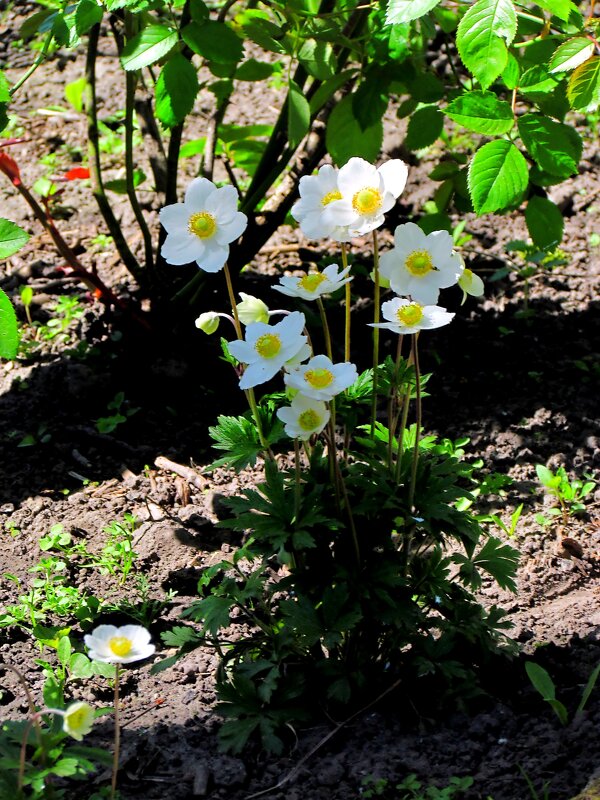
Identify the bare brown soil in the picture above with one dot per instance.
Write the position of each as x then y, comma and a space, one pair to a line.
523, 388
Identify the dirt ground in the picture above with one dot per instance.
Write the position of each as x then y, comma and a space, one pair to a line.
522, 387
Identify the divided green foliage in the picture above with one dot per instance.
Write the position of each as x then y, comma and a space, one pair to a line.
497, 176
483, 36
555, 147
176, 90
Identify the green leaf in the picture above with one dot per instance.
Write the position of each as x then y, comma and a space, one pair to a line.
148, 47
481, 112
318, 59
253, 70
12, 238
589, 688
345, 137
544, 222
555, 147
511, 72
215, 41
176, 90
482, 38
74, 93
424, 127
119, 185
4, 88
256, 26
199, 11
87, 14
327, 89
298, 117
399, 11
545, 476
80, 666
571, 54
9, 330
497, 176
541, 680
63, 650
583, 90
560, 8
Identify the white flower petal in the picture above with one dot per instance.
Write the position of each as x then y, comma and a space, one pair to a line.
257, 373
357, 174
214, 257
175, 218
410, 237
181, 249
394, 174
223, 201
198, 192
230, 231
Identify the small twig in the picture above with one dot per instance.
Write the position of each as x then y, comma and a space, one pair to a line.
292, 774
189, 474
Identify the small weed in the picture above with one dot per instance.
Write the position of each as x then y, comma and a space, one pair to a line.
412, 789
121, 414
569, 493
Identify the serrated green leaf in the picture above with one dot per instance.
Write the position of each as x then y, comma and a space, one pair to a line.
176, 90
544, 221
571, 54
511, 73
482, 38
298, 117
583, 91
345, 137
424, 127
9, 329
481, 112
257, 26
560, 8
318, 59
12, 238
87, 14
253, 70
399, 11
148, 47
4, 88
555, 147
216, 41
497, 176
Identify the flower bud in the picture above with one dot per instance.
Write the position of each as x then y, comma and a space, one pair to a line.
208, 322
471, 283
251, 309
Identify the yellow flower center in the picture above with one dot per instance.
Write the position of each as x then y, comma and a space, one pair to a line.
318, 378
368, 201
202, 224
312, 281
410, 315
78, 718
419, 263
268, 345
308, 419
330, 197
120, 645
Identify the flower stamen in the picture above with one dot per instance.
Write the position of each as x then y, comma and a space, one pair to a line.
319, 378
367, 201
312, 281
410, 315
202, 224
308, 419
330, 197
268, 345
120, 645
419, 263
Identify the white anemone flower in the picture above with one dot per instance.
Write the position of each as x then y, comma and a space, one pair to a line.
78, 719
318, 195
267, 348
407, 316
314, 284
252, 309
421, 264
201, 228
304, 417
321, 379
367, 193
471, 283
119, 645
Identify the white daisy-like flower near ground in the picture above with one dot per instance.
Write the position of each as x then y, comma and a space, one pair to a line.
318, 193
252, 309
321, 379
304, 417
119, 645
314, 284
367, 193
421, 264
267, 348
78, 719
407, 316
202, 227
471, 283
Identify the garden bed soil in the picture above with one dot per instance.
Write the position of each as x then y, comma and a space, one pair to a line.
522, 387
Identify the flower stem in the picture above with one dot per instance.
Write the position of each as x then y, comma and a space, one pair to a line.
250, 396
376, 312
115, 769
392, 416
348, 308
413, 476
326, 333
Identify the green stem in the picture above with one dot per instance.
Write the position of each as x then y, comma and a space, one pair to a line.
348, 308
130, 85
376, 317
325, 325
392, 413
94, 162
413, 476
115, 769
38, 61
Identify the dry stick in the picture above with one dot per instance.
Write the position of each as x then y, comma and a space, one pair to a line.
292, 774
187, 473
94, 162
115, 769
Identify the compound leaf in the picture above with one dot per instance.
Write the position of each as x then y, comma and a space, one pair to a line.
482, 38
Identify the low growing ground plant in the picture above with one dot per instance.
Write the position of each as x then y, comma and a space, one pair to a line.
360, 563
